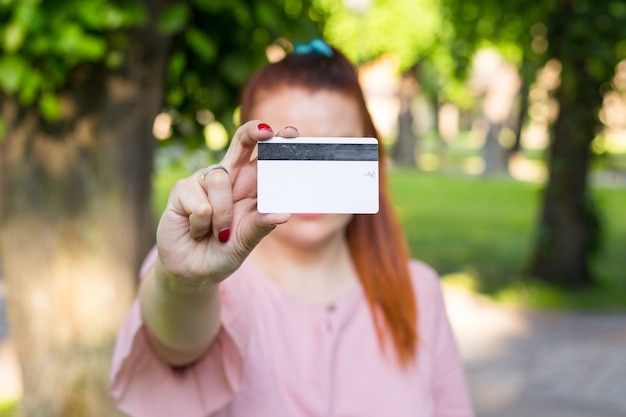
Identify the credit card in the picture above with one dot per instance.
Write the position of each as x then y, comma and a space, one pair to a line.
318, 175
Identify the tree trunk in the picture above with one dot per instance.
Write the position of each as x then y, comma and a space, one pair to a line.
404, 148
75, 221
492, 152
522, 115
568, 225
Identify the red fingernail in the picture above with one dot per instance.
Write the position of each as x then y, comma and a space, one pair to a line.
263, 126
223, 235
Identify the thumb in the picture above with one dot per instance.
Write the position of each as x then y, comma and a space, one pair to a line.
260, 226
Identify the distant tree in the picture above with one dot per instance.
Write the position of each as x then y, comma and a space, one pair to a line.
368, 29
587, 39
80, 85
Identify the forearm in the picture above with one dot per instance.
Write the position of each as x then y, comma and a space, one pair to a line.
182, 320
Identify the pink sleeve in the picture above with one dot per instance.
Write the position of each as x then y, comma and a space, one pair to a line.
145, 386
450, 390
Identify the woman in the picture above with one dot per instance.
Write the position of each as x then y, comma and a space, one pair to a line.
250, 314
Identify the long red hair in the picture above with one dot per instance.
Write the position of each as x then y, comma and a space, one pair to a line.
376, 242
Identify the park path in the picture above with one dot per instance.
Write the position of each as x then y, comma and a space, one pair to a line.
540, 364
518, 363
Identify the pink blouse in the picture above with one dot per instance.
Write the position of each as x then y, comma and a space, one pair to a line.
277, 356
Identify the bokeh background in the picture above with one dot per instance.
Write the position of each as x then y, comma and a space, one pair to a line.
505, 123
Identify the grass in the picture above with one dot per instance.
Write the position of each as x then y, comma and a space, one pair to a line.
478, 233
8, 408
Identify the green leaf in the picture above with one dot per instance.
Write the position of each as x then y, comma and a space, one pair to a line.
596, 68
113, 17
103, 15
72, 41
26, 12
134, 13
114, 59
218, 96
620, 49
14, 37
175, 97
201, 44
236, 69
12, 68
174, 19
617, 9
50, 106
293, 8
241, 12
176, 66
92, 48
90, 14
266, 14
31, 85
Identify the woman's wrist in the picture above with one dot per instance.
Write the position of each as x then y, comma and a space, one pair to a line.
181, 315
182, 284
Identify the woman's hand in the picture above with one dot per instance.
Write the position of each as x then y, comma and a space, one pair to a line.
211, 224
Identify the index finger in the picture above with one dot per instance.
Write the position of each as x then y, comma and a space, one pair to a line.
244, 141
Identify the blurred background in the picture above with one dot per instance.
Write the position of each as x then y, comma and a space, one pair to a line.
505, 124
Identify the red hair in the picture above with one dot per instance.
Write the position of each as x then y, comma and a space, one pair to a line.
376, 242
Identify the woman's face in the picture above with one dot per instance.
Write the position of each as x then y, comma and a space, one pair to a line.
313, 113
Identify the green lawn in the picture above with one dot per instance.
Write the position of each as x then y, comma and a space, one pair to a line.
478, 233
8, 408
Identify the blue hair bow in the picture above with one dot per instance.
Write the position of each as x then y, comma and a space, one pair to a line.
315, 46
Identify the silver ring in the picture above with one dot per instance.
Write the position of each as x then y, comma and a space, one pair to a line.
213, 167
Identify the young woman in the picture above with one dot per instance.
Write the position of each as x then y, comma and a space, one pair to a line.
269, 315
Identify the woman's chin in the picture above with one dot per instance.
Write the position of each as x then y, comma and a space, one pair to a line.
305, 230
307, 216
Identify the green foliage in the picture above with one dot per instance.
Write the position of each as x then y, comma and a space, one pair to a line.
593, 31
505, 26
174, 19
589, 34
42, 42
405, 28
217, 46
414, 31
8, 408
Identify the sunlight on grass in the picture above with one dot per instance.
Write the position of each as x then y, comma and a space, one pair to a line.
478, 234
535, 294
8, 408
464, 280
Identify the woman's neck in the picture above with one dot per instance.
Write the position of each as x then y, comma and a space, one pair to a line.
316, 274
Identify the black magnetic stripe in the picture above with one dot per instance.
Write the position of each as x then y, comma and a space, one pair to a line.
318, 151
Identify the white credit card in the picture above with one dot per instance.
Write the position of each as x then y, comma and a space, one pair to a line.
318, 175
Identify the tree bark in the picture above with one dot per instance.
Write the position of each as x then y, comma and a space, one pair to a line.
492, 152
404, 149
568, 231
522, 115
75, 221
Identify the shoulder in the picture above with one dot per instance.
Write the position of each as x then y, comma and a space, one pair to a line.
427, 288
424, 277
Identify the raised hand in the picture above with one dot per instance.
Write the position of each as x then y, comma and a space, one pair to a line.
210, 223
